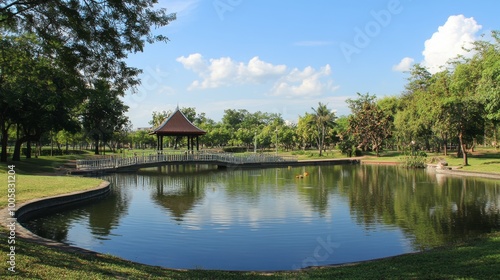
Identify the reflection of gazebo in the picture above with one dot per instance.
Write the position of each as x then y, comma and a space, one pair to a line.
178, 125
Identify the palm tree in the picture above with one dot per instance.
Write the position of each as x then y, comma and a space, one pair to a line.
322, 121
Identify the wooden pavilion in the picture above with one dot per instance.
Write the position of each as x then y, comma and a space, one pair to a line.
178, 125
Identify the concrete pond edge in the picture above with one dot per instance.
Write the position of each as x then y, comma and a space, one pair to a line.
39, 205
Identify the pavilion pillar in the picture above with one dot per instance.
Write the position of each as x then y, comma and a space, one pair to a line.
197, 143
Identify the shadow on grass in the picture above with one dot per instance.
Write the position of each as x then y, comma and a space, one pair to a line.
35, 165
45, 164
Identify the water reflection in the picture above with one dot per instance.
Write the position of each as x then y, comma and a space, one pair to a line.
434, 209
100, 216
213, 218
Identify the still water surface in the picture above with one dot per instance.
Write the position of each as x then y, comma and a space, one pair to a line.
268, 219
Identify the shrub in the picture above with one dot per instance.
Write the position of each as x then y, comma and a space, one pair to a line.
415, 160
299, 152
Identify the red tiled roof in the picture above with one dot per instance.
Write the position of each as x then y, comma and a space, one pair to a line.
177, 124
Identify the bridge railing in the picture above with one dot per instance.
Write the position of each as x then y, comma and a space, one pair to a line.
109, 162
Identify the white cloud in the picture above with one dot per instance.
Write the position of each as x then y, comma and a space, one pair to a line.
448, 42
404, 65
259, 70
226, 72
194, 62
308, 82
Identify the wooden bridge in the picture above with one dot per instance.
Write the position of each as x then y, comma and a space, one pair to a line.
222, 160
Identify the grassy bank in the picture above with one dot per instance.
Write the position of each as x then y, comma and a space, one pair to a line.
477, 259
29, 187
482, 160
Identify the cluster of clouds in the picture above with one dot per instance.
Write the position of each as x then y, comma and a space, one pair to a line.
224, 72
451, 39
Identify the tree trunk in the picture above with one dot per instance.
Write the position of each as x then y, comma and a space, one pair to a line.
463, 149
28, 149
96, 146
16, 156
5, 138
321, 140
51, 144
495, 127
445, 145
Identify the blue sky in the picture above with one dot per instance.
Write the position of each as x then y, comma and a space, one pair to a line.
286, 56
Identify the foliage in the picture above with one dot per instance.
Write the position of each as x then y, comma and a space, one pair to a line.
94, 37
37, 95
414, 160
305, 132
103, 112
369, 124
323, 121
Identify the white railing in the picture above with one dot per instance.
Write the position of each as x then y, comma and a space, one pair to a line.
110, 162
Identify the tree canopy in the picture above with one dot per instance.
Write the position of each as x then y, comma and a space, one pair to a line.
55, 56
92, 36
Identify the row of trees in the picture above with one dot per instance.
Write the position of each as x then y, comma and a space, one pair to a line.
459, 104
62, 66
456, 107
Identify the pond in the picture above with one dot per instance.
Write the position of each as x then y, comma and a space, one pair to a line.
277, 218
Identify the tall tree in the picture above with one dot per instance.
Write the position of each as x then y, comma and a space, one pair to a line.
368, 123
323, 120
488, 87
438, 108
464, 107
305, 132
158, 118
103, 112
413, 122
